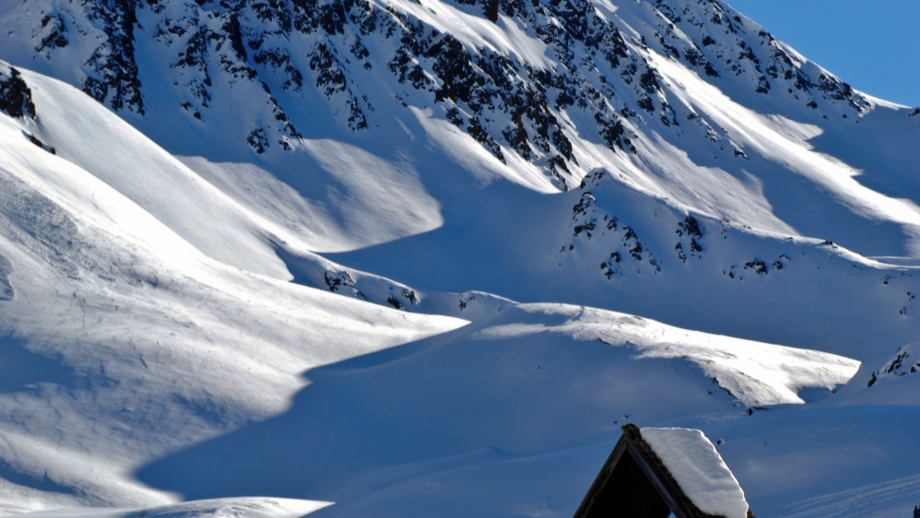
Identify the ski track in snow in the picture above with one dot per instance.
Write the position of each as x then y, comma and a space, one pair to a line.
876, 500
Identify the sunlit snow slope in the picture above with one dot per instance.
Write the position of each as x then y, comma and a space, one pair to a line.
275, 257
423, 140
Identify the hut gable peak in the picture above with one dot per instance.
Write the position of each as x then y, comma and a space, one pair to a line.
657, 472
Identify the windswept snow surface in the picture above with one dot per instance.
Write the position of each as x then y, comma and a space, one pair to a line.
482, 206
121, 341
536, 380
217, 508
699, 470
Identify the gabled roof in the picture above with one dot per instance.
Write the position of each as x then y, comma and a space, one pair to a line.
636, 483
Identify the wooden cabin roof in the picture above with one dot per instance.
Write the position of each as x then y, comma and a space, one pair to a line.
635, 483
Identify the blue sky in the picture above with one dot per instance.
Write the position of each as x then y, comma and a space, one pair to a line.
872, 44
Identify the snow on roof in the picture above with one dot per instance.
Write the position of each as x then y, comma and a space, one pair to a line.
698, 469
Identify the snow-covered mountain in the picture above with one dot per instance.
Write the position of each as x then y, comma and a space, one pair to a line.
489, 232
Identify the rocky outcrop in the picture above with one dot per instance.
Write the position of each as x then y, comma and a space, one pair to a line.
598, 80
15, 95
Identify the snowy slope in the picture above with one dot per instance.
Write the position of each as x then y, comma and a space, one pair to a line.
533, 380
119, 366
668, 159
429, 130
387, 122
122, 341
216, 508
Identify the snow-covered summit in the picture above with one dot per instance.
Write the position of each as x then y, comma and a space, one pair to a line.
525, 79
337, 126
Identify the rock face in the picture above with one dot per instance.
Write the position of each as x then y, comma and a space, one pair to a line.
582, 72
6, 288
15, 95
904, 362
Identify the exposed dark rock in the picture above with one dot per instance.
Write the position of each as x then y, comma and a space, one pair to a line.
54, 31
464, 303
341, 281
113, 73
15, 95
257, 140
478, 132
33, 139
235, 35
691, 227
602, 74
410, 296
757, 266
6, 288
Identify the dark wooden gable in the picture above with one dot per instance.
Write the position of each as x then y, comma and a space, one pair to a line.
635, 484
